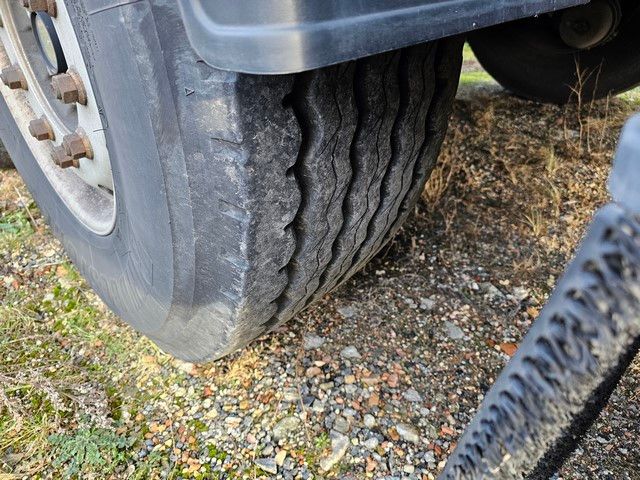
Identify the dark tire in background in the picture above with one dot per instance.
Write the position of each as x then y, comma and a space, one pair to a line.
241, 199
532, 58
5, 159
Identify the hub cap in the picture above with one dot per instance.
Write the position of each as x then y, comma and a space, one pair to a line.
590, 25
48, 42
49, 93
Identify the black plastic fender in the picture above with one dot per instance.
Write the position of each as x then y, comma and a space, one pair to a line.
287, 36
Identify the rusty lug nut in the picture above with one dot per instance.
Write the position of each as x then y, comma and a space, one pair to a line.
68, 88
63, 160
40, 129
77, 146
48, 6
13, 77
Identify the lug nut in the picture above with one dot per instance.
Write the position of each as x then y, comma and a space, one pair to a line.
68, 88
63, 160
76, 145
40, 129
13, 77
48, 6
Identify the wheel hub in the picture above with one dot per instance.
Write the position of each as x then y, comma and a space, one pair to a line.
590, 25
48, 42
49, 93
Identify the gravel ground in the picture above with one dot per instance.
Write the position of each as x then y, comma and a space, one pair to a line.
376, 381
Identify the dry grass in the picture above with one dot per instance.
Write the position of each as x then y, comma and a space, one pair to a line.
544, 166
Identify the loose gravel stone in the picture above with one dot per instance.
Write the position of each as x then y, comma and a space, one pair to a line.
454, 332
427, 304
341, 424
267, 464
350, 352
408, 432
339, 446
312, 342
371, 443
286, 427
369, 421
280, 457
347, 312
412, 395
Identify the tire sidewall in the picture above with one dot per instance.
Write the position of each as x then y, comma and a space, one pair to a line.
132, 267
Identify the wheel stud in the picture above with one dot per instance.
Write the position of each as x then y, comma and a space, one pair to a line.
63, 160
77, 146
68, 88
40, 129
48, 6
13, 77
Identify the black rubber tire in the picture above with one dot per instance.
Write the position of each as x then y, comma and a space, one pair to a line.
241, 198
5, 159
567, 366
523, 57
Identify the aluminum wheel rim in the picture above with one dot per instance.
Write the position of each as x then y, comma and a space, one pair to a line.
88, 190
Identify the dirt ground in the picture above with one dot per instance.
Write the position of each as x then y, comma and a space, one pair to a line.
376, 381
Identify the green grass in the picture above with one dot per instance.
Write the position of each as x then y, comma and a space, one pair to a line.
67, 369
632, 97
476, 77
467, 53
15, 226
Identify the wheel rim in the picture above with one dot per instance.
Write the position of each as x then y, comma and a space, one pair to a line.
68, 129
590, 25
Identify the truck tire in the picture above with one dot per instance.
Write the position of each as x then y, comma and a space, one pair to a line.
241, 199
529, 58
5, 159
567, 366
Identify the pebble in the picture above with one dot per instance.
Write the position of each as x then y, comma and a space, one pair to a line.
347, 312
427, 304
412, 395
408, 432
267, 464
350, 352
454, 332
371, 443
280, 457
311, 342
341, 424
339, 445
286, 427
369, 421
268, 450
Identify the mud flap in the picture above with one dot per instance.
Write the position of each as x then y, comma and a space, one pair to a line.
570, 360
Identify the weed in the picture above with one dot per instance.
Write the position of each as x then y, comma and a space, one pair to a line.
536, 221
552, 164
322, 441
89, 450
